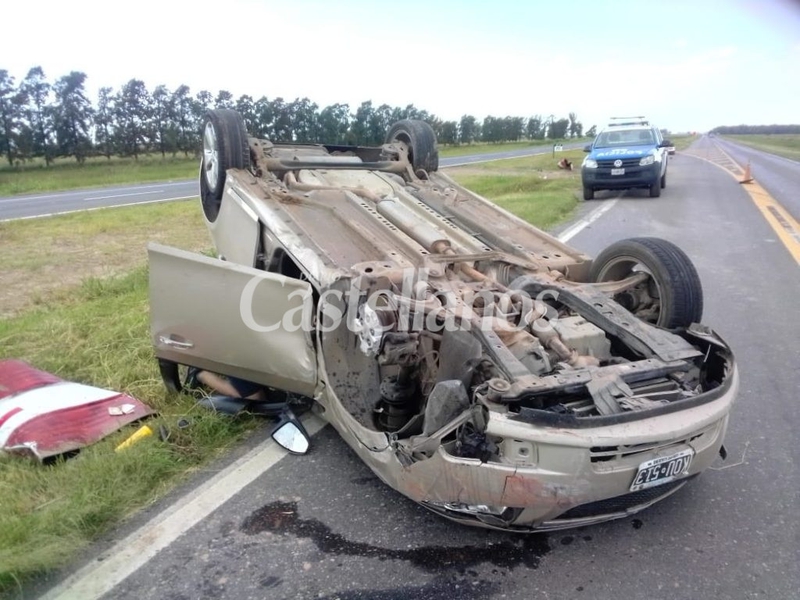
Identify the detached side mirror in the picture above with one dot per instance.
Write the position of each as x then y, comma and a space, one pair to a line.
587, 148
290, 434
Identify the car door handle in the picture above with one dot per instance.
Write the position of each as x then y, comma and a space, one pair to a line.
175, 343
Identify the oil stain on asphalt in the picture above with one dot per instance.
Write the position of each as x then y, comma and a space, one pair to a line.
283, 517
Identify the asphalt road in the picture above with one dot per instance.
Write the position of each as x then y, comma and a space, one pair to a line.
780, 176
53, 203
322, 526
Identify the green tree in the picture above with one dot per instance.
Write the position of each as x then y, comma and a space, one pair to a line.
575, 126
187, 121
359, 129
558, 129
467, 129
246, 107
224, 99
305, 127
592, 131
535, 128
262, 128
38, 112
11, 103
73, 116
164, 132
449, 133
281, 121
334, 123
133, 108
104, 122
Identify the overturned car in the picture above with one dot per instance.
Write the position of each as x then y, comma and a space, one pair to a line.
476, 364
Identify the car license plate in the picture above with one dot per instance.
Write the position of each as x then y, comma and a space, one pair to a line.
662, 470
618, 171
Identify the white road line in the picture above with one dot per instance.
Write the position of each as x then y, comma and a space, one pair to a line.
122, 195
134, 551
77, 210
487, 160
598, 212
85, 191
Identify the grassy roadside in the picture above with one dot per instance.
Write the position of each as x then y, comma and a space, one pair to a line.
782, 144
64, 315
97, 335
682, 142
530, 187
465, 150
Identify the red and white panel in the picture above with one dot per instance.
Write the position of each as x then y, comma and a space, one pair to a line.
42, 415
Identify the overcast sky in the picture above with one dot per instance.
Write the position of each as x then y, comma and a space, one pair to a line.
686, 65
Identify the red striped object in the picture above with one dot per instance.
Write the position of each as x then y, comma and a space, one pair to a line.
43, 415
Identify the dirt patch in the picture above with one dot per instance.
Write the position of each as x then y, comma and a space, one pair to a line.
46, 258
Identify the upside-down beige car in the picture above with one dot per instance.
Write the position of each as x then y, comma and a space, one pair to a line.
476, 364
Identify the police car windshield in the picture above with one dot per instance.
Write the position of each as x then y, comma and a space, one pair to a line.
624, 137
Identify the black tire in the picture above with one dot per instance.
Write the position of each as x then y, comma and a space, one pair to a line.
674, 277
664, 180
225, 146
655, 189
171, 375
588, 193
421, 142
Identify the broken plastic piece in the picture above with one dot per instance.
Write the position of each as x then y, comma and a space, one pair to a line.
141, 433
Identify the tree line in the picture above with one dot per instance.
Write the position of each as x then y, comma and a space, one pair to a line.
763, 129
39, 119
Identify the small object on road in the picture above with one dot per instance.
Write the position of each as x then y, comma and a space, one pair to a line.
747, 177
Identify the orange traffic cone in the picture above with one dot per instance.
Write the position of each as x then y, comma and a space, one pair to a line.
747, 177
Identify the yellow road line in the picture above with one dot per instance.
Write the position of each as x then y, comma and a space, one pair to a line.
784, 225
782, 222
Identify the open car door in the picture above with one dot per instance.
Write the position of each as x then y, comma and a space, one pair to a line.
232, 319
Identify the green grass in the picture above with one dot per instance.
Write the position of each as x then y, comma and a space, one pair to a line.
533, 188
94, 329
682, 142
467, 149
52, 255
66, 174
99, 336
782, 144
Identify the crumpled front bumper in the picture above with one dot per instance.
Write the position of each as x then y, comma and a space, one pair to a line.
568, 477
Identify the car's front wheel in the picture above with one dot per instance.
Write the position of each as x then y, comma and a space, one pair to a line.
655, 189
225, 146
664, 180
670, 296
588, 193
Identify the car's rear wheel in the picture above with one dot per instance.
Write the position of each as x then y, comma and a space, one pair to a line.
655, 189
420, 140
225, 147
588, 193
670, 297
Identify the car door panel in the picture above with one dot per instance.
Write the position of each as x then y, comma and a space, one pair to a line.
232, 319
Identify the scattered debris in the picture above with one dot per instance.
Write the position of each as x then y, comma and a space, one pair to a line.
141, 433
565, 164
42, 415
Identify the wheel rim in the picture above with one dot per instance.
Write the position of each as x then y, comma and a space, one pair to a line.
623, 266
210, 155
